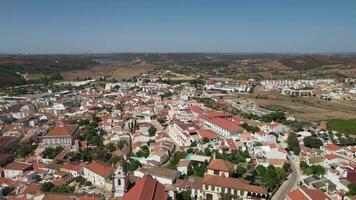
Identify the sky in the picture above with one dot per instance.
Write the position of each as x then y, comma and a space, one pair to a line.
241, 26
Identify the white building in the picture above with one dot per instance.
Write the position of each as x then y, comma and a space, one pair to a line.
15, 170
96, 172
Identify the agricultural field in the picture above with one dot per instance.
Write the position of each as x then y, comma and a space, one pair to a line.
342, 125
311, 109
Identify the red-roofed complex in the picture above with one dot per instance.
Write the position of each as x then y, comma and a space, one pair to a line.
61, 135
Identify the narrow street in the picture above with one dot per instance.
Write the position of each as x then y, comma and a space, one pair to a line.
290, 183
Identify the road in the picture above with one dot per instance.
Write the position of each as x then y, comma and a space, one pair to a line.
291, 181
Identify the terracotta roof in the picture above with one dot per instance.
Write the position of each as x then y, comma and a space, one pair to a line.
332, 147
276, 161
32, 188
231, 143
18, 166
208, 133
222, 165
72, 166
161, 171
330, 156
232, 183
316, 194
65, 130
226, 124
62, 196
297, 195
100, 168
146, 188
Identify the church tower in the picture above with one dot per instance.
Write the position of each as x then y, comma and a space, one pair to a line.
120, 182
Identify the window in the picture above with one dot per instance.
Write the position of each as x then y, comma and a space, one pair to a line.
216, 172
118, 181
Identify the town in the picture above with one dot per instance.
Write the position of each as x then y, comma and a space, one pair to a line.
149, 138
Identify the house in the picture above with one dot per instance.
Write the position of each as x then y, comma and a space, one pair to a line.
16, 169
161, 174
307, 194
159, 157
220, 167
61, 135
96, 172
193, 184
225, 128
146, 188
183, 166
331, 148
75, 169
211, 135
181, 132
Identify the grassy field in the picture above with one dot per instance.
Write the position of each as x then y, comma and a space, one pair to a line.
343, 125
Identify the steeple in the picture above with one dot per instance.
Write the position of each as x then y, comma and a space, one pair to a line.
120, 182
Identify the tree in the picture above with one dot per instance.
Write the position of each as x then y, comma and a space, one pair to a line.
270, 178
250, 128
352, 189
46, 187
241, 170
293, 143
121, 144
312, 142
25, 149
114, 159
143, 152
63, 189
152, 131
52, 152
193, 144
281, 173
205, 140
184, 195
303, 164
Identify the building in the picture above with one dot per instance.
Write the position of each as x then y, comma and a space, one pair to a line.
61, 135
161, 174
96, 172
218, 181
225, 128
307, 194
16, 169
220, 167
181, 132
146, 188
215, 187
120, 182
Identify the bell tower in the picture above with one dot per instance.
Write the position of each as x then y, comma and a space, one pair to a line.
120, 182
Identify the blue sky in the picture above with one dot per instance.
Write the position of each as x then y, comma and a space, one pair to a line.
285, 26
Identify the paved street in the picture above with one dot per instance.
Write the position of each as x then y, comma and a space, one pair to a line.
290, 183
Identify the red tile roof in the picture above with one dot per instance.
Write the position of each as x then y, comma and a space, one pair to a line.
332, 147
297, 195
231, 143
100, 168
146, 188
233, 183
65, 130
18, 166
222, 165
330, 156
307, 194
208, 133
226, 124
